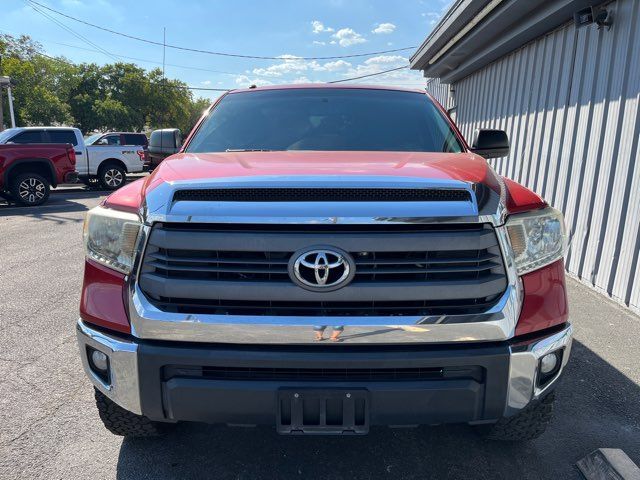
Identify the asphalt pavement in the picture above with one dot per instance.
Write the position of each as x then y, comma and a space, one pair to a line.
49, 427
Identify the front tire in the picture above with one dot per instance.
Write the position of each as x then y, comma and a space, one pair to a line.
112, 176
528, 424
122, 422
30, 189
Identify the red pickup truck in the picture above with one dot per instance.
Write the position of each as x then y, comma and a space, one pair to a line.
28, 171
324, 259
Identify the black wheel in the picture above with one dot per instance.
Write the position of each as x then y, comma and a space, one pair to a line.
529, 424
30, 189
122, 422
112, 176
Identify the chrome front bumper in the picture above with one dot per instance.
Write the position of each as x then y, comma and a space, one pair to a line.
123, 361
125, 390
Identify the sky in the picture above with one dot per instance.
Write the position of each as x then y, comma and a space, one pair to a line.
276, 28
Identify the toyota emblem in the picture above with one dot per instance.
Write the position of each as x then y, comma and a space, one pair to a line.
321, 268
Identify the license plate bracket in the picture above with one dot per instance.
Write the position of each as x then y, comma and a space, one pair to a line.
323, 412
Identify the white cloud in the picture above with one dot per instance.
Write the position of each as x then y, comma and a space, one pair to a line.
347, 37
244, 81
332, 42
319, 27
387, 60
206, 82
316, 42
291, 64
401, 78
384, 28
336, 65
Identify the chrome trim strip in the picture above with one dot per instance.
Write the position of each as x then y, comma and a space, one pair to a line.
160, 207
123, 362
523, 369
498, 323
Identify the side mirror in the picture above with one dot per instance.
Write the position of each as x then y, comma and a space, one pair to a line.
490, 143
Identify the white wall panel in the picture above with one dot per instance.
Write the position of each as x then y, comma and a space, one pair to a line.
439, 91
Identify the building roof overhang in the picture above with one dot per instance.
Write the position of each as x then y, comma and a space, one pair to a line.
474, 33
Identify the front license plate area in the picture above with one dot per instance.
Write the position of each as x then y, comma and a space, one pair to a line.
323, 412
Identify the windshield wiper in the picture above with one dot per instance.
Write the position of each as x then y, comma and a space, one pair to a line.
248, 150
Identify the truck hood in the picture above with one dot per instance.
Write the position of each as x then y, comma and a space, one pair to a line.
465, 167
198, 170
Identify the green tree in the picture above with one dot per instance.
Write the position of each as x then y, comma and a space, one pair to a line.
119, 96
111, 114
197, 108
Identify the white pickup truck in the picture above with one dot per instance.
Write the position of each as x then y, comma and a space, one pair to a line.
100, 157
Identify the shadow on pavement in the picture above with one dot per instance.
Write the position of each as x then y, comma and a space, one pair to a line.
596, 407
65, 198
68, 200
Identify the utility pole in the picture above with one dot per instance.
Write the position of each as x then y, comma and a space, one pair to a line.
1, 113
5, 82
164, 49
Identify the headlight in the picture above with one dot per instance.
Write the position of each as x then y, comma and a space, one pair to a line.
538, 238
110, 237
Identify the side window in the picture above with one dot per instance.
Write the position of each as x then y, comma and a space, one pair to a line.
28, 136
63, 136
109, 140
134, 139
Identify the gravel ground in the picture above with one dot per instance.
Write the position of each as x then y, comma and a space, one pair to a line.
49, 427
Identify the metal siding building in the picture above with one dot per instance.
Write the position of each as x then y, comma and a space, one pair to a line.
569, 99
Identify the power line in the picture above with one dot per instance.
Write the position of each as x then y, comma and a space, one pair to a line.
383, 72
209, 52
59, 59
73, 32
146, 60
191, 67
186, 87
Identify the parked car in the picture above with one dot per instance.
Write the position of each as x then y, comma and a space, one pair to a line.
323, 259
106, 164
163, 143
27, 172
118, 138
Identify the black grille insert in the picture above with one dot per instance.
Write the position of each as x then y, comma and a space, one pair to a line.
410, 270
370, 266
326, 309
323, 374
323, 195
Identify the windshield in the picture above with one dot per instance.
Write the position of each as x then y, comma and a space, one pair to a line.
92, 139
7, 134
325, 119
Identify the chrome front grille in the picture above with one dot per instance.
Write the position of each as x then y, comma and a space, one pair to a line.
400, 269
